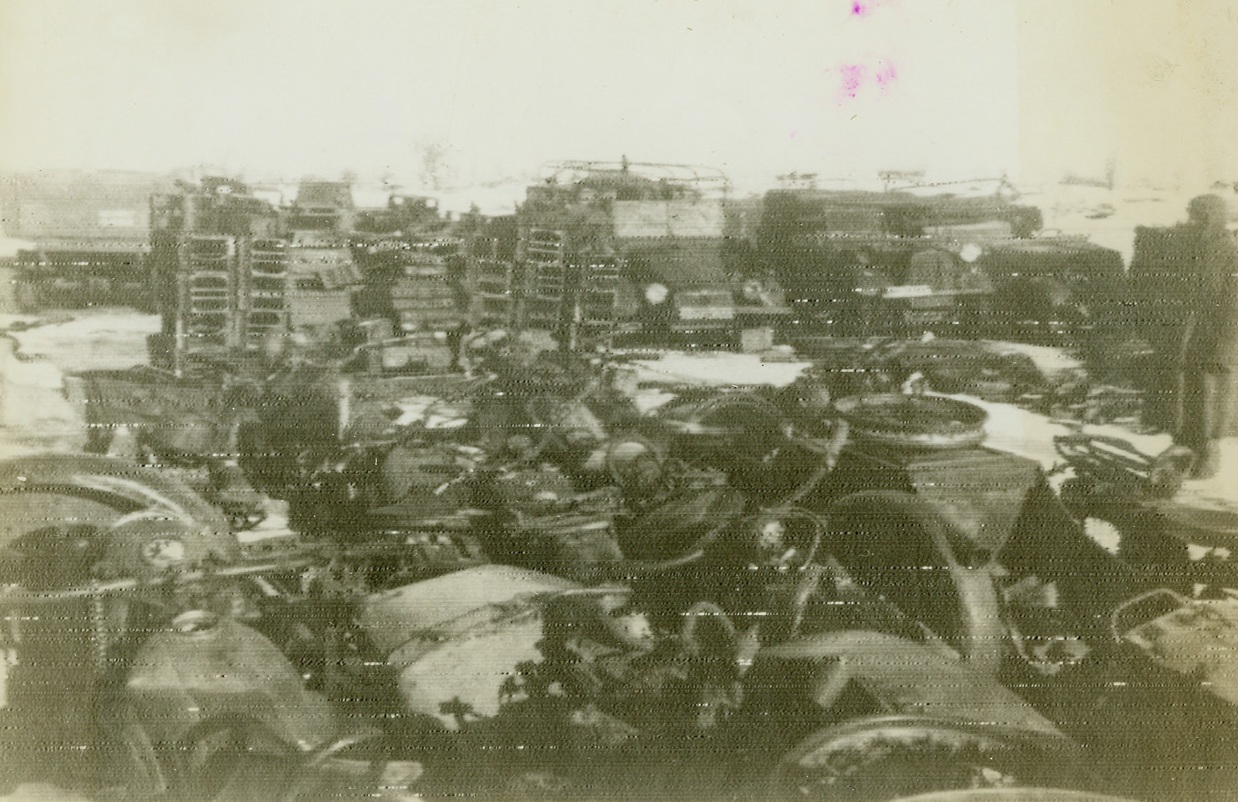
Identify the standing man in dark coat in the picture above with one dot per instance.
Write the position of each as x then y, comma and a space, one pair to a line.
1207, 350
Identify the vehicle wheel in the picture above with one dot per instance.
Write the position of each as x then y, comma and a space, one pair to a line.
232, 759
110, 484
740, 433
131, 761
682, 527
755, 428
886, 757
896, 546
913, 421
27, 296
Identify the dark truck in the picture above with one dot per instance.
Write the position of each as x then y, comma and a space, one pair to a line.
603, 250
89, 235
901, 262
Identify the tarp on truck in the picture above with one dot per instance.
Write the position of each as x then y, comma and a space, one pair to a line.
670, 218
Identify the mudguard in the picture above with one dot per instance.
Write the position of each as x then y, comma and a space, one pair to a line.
896, 545
88, 493
929, 708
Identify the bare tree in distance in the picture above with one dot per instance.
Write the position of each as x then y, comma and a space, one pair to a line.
435, 167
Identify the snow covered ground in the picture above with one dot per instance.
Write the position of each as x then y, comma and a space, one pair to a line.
35, 415
1108, 217
106, 339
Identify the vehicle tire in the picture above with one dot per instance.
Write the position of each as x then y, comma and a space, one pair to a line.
891, 756
682, 526
228, 759
131, 762
912, 421
27, 296
740, 433
897, 547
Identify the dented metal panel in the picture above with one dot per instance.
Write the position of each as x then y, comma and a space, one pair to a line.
910, 678
456, 641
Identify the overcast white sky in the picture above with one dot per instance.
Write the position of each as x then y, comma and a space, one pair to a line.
318, 86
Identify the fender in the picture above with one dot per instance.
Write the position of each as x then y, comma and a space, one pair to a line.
928, 706
47, 490
909, 536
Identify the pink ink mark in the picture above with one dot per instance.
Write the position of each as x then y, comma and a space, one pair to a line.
858, 78
862, 8
886, 74
854, 76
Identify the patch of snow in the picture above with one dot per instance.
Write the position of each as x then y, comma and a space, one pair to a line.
1030, 434
716, 369
107, 340
1049, 360
34, 413
9, 246
1105, 534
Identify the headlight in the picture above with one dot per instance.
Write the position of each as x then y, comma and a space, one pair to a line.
970, 252
150, 540
656, 293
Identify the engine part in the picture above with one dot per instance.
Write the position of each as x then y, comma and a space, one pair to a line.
895, 545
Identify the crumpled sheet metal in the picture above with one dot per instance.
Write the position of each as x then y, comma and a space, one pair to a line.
456, 640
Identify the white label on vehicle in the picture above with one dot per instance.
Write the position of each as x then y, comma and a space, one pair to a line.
8, 657
706, 313
908, 291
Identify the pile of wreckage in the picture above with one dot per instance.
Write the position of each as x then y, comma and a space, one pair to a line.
348, 538
521, 581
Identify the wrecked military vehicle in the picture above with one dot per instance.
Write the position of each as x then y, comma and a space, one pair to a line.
904, 261
645, 604
620, 252
765, 592
87, 238
498, 679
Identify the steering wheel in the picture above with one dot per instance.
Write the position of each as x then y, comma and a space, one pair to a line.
316, 779
782, 539
680, 530
708, 631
